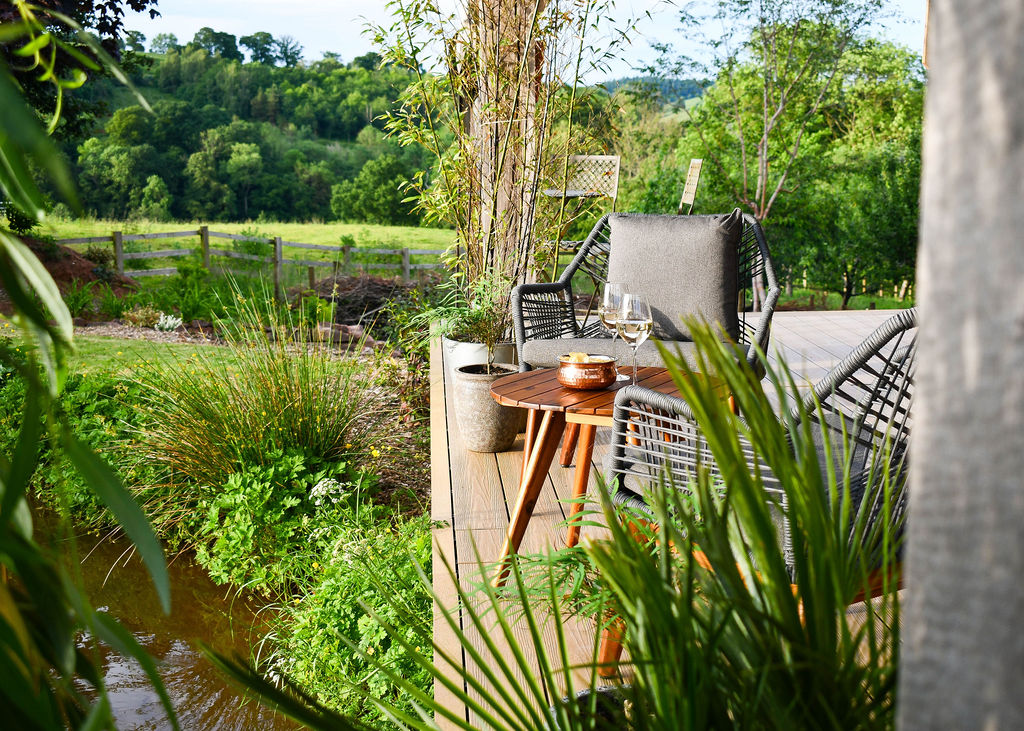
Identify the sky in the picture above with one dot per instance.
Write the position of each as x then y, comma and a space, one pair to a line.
337, 25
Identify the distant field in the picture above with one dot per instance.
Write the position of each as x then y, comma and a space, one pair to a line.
366, 235
363, 236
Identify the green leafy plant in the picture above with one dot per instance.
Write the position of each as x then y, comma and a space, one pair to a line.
256, 520
79, 298
103, 258
214, 416
478, 313
745, 637
111, 304
367, 555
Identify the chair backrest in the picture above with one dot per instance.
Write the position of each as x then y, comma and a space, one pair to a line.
597, 174
589, 269
861, 414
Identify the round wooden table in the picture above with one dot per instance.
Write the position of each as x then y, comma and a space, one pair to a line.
551, 407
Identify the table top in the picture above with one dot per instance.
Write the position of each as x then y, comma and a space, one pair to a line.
540, 389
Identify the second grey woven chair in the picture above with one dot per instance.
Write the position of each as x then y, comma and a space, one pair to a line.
686, 265
865, 412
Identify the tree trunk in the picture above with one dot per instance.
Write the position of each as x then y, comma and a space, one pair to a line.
502, 119
963, 646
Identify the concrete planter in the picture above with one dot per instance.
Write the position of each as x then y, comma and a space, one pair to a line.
484, 425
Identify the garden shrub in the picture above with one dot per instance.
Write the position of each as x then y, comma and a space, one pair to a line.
265, 517
213, 417
142, 316
372, 562
78, 297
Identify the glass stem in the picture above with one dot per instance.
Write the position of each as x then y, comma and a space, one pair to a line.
635, 381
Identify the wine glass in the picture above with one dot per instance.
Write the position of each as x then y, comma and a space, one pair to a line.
634, 323
608, 313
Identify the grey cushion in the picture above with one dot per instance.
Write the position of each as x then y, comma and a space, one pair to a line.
544, 353
685, 265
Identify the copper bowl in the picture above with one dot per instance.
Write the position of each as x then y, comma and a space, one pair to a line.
599, 372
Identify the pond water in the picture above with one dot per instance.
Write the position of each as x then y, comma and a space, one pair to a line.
200, 610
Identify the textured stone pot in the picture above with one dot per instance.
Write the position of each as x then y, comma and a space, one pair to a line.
485, 426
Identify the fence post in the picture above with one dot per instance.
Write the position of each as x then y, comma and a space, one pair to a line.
312, 277
119, 251
406, 266
278, 267
346, 257
204, 241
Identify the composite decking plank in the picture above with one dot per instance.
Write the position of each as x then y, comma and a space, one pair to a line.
444, 544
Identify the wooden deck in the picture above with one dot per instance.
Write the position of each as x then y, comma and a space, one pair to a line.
472, 495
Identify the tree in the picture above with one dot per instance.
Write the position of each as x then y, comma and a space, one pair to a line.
368, 61
217, 43
774, 67
130, 126
156, 200
135, 41
288, 50
244, 166
164, 43
261, 47
375, 195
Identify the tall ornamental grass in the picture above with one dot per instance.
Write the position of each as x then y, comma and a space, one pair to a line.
276, 393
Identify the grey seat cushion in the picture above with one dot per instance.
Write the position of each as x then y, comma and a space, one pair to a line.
684, 265
544, 353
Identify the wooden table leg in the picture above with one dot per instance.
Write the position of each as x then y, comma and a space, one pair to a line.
544, 447
582, 479
572, 432
532, 425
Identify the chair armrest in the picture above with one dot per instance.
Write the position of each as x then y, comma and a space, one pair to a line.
763, 329
653, 434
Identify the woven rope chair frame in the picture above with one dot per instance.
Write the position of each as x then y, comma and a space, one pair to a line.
869, 394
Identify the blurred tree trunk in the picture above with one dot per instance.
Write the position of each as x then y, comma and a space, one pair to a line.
963, 649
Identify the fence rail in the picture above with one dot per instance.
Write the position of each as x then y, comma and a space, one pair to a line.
276, 259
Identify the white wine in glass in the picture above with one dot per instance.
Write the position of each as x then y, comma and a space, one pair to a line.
634, 323
608, 313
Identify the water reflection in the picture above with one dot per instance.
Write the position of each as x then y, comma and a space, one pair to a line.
200, 611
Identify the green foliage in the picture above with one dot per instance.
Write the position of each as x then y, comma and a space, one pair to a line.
156, 200
478, 312
212, 418
377, 560
111, 305
376, 195
258, 525
79, 298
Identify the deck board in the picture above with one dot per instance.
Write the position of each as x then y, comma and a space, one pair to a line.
474, 494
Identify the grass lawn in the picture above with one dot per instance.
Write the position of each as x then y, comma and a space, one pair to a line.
366, 235
804, 298
94, 354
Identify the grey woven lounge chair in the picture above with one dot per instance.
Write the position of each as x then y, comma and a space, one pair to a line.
685, 265
868, 394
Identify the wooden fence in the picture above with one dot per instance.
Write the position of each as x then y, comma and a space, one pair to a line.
277, 260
